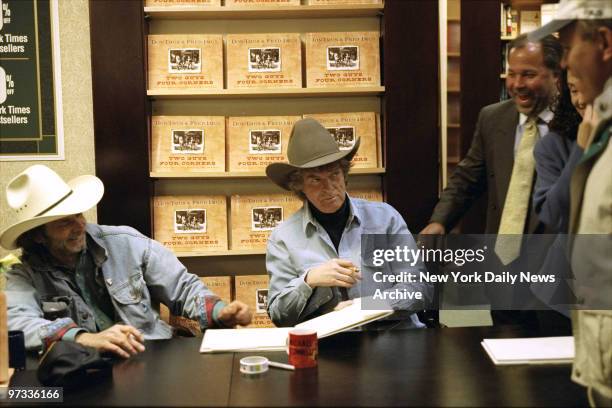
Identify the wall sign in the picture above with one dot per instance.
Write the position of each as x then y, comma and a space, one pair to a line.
30, 81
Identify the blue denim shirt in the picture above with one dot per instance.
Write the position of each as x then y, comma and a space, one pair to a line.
136, 271
301, 243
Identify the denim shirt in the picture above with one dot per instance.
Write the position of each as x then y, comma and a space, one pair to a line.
301, 243
136, 271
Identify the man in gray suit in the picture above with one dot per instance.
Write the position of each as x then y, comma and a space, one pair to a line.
533, 71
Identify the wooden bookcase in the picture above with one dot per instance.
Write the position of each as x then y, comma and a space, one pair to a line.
122, 108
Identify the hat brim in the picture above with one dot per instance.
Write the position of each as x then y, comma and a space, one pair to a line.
87, 191
548, 29
279, 172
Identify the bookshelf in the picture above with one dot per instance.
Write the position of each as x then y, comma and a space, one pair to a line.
122, 107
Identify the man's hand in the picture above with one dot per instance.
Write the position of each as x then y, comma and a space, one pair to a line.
335, 272
586, 128
235, 313
434, 228
123, 340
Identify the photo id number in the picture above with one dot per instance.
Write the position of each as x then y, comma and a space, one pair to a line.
39, 394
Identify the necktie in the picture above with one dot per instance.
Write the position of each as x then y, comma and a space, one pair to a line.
508, 244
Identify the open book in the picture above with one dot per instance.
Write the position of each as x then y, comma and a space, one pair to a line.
537, 350
220, 340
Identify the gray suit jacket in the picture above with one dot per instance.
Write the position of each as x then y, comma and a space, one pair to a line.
487, 167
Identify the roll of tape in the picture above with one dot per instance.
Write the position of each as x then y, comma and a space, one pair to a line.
254, 365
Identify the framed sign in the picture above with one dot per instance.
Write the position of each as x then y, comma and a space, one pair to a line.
30, 81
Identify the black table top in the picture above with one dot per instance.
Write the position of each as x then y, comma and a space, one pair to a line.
433, 367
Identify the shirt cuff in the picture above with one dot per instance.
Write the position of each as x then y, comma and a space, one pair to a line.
302, 287
215, 313
71, 334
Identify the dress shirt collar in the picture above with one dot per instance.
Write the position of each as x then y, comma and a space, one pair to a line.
545, 116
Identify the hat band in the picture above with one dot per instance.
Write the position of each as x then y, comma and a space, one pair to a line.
54, 205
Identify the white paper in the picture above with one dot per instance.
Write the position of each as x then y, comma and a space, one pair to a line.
537, 350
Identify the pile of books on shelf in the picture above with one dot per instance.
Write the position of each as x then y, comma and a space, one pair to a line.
254, 3
260, 61
194, 224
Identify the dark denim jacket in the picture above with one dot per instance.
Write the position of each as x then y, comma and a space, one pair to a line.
136, 271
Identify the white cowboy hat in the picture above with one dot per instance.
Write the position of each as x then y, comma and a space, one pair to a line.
39, 195
570, 11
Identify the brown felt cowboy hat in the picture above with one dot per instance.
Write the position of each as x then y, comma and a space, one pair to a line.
39, 195
310, 146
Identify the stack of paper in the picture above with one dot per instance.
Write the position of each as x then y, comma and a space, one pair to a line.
273, 339
537, 350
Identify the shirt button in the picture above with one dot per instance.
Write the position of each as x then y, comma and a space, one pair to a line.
578, 373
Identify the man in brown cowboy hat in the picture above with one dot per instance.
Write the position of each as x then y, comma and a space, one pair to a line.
314, 257
77, 281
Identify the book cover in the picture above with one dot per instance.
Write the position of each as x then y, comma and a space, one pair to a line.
191, 223
169, 3
253, 142
259, 3
185, 61
219, 285
187, 144
254, 216
366, 194
253, 291
263, 61
342, 2
346, 127
350, 59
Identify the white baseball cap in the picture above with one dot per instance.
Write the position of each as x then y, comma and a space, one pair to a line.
572, 10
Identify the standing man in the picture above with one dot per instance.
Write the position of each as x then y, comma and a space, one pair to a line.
500, 160
585, 28
89, 283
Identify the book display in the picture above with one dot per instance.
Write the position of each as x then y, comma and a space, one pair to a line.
181, 61
253, 291
347, 127
259, 3
190, 223
187, 143
256, 141
263, 61
340, 59
342, 2
170, 3
253, 217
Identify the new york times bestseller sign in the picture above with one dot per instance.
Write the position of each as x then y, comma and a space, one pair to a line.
30, 88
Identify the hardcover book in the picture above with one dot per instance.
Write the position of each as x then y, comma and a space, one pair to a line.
187, 144
253, 142
350, 59
185, 61
366, 194
342, 2
219, 285
253, 291
264, 61
169, 3
253, 217
191, 223
259, 3
347, 127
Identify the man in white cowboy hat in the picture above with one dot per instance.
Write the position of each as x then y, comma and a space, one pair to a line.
585, 30
90, 283
313, 258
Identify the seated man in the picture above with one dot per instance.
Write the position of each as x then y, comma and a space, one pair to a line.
314, 257
105, 278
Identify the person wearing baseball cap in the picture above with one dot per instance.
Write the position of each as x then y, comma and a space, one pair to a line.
585, 30
314, 257
89, 283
